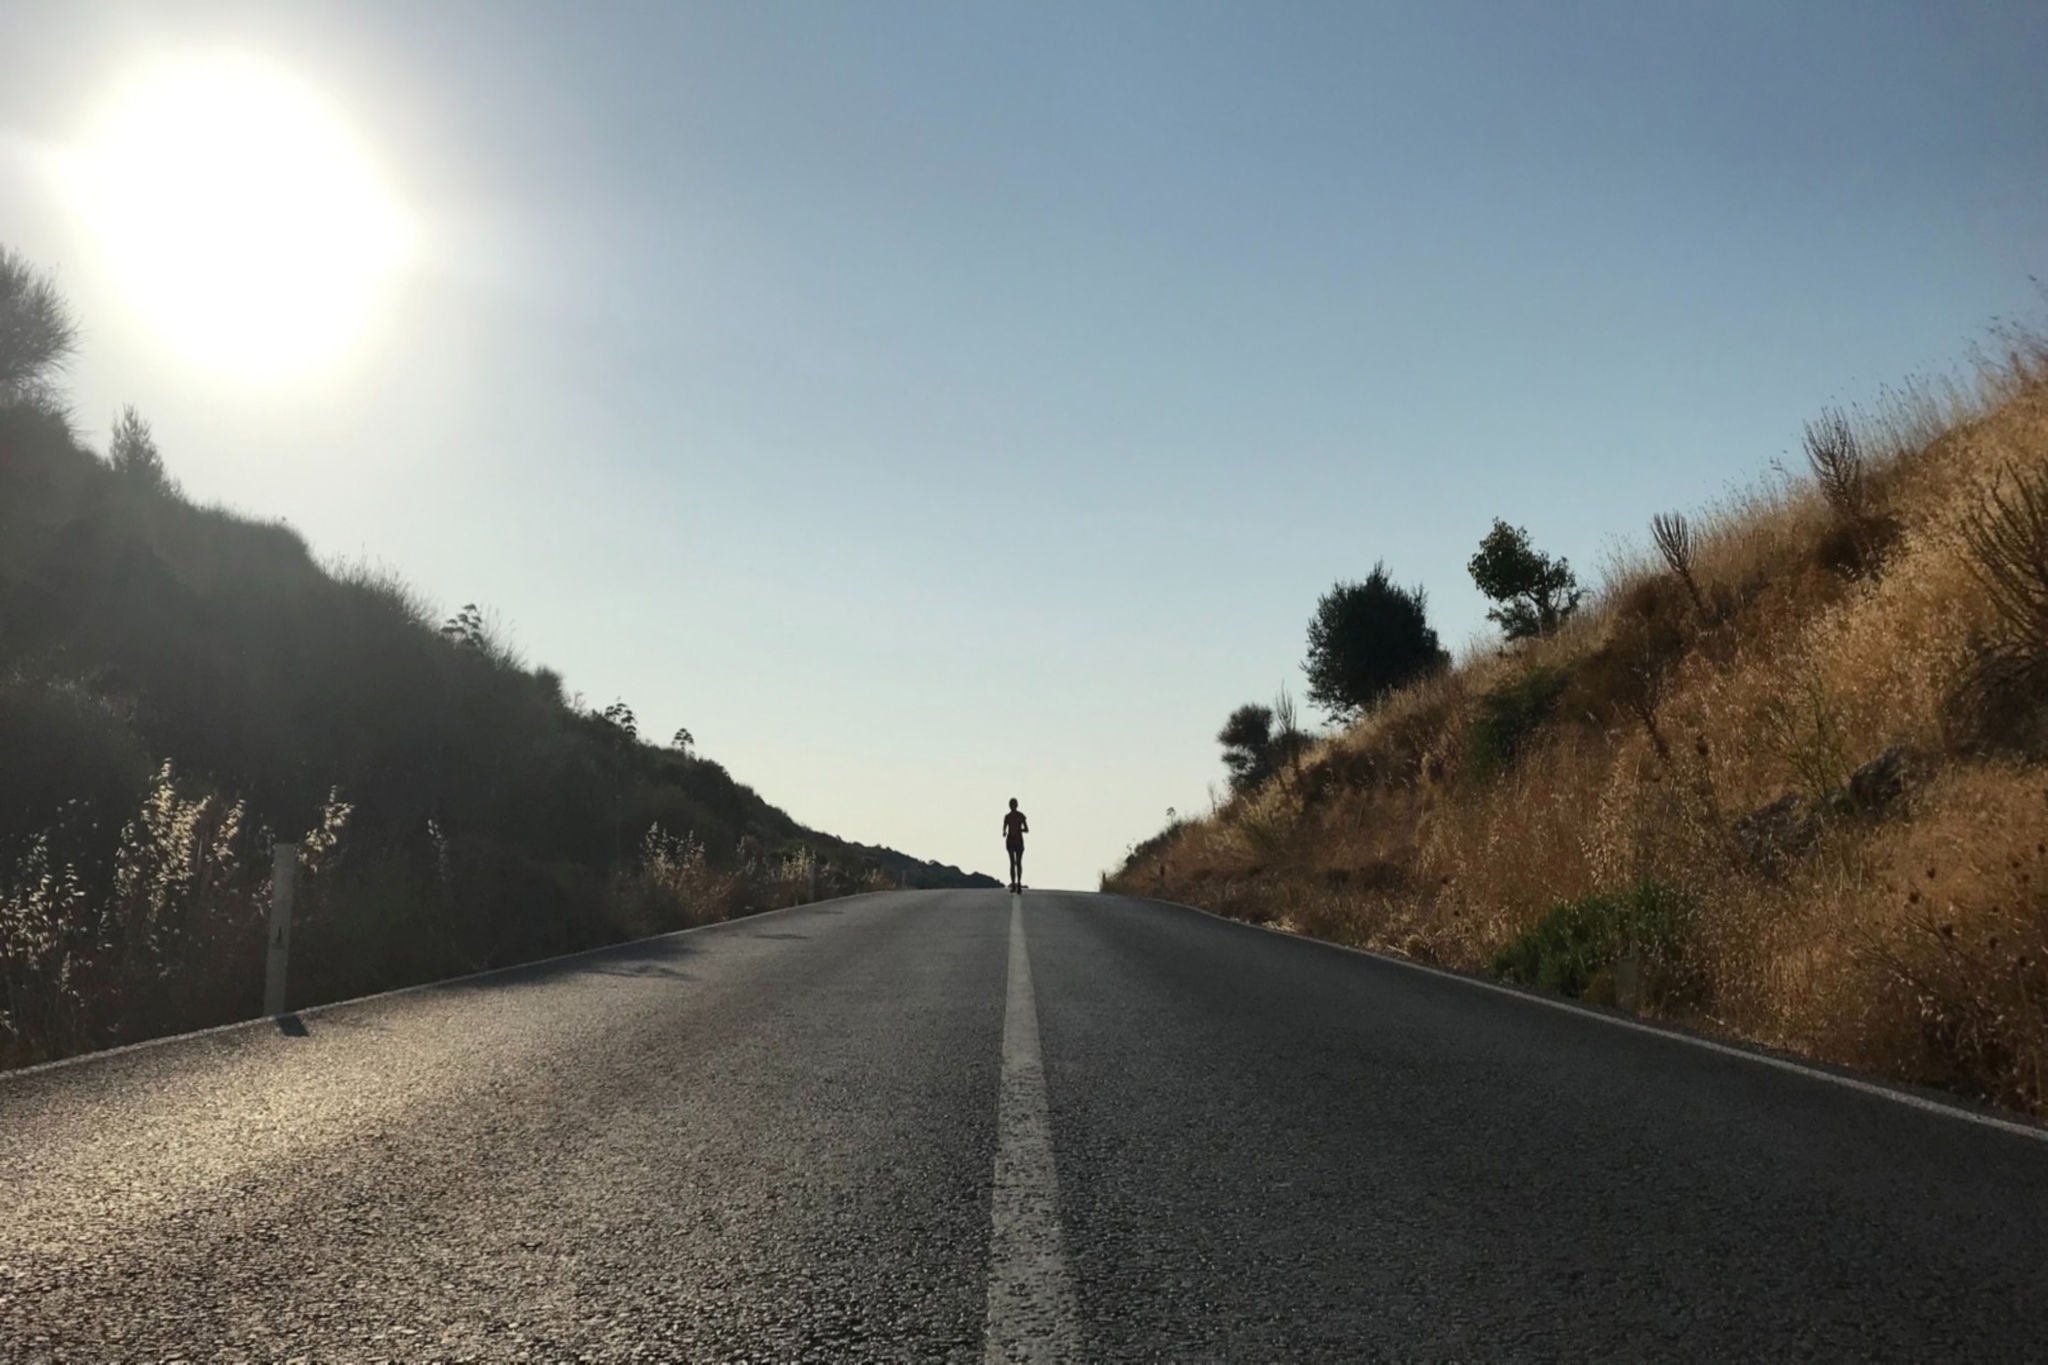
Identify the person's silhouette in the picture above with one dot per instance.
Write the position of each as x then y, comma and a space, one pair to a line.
1014, 828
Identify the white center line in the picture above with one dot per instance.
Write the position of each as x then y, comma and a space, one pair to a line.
1032, 1314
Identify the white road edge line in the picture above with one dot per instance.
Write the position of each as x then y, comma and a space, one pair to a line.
1032, 1312
1573, 1007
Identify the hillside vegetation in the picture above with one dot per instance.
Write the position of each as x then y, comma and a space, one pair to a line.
180, 685
1784, 777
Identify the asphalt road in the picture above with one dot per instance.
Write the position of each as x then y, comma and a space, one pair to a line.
872, 1129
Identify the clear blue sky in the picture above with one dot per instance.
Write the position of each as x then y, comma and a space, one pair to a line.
929, 404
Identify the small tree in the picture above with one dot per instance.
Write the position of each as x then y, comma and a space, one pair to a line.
1365, 640
132, 450
1534, 592
683, 742
1247, 740
36, 331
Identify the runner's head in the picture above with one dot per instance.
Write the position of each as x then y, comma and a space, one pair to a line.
1013, 803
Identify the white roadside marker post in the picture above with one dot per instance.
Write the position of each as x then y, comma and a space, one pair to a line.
284, 870
1628, 982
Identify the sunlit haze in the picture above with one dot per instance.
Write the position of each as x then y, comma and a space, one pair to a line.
240, 217
930, 405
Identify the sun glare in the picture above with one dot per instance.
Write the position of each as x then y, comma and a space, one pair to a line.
244, 220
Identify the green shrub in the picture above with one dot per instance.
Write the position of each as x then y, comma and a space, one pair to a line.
1507, 717
1576, 944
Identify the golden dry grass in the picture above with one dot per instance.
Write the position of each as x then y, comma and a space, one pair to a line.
1910, 941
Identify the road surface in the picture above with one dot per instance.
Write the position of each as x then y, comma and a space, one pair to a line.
958, 1125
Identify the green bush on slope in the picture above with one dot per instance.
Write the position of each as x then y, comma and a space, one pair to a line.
1573, 948
1509, 716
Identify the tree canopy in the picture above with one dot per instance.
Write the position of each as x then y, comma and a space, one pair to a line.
1365, 640
1247, 740
36, 330
1533, 593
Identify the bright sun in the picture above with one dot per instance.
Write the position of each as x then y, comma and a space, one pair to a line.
242, 217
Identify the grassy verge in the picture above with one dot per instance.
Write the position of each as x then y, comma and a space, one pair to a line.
1795, 759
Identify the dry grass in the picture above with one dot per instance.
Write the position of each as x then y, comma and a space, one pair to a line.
170, 937
672, 886
1763, 652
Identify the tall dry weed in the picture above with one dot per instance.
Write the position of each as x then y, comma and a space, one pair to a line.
170, 936
2007, 537
41, 904
674, 886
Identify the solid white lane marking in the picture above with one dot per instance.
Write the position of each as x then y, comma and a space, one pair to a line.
1032, 1312
2017, 1127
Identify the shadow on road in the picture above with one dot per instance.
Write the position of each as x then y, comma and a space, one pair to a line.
650, 958
654, 958
636, 969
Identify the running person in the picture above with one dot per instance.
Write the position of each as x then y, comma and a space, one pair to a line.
1015, 826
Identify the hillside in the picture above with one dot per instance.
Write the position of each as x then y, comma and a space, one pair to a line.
1782, 779
179, 685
